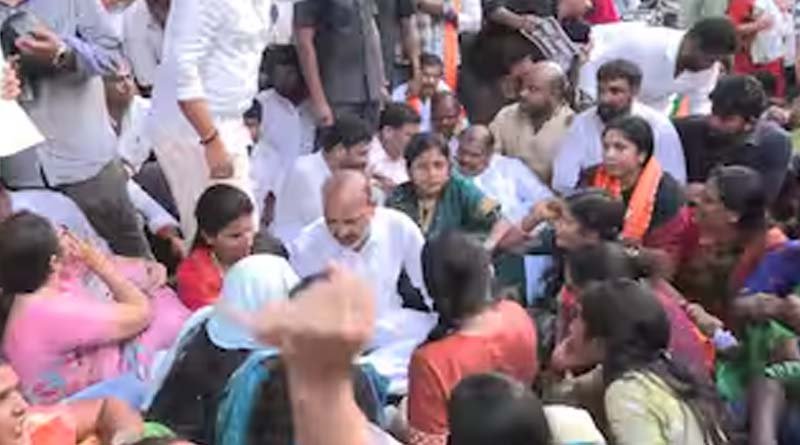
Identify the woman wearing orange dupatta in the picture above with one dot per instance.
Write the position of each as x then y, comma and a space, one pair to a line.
656, 215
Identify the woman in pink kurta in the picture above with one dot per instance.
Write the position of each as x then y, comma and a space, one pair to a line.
71, 316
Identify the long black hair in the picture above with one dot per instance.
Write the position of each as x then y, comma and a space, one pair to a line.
458, 276
741, 190
610, 260
488, 409
28, 244
218, 206
421, 143
636, 330
596, 210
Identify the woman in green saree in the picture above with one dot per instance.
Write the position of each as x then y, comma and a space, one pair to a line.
437, 198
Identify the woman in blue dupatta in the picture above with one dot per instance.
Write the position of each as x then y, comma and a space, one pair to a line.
439, 199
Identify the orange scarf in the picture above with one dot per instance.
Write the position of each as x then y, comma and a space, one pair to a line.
415, 102
643, 199
451, 50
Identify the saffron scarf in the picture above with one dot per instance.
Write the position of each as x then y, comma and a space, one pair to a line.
451, 49
414, 102
642, 202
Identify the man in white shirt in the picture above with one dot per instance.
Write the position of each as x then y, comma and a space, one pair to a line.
432, 70
207, 80
128, 112
377, 244
674, 62
345, 145
143, 39
619, 82
505, 179
287, 132
387, 163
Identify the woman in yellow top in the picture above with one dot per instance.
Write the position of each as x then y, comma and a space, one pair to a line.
649, 397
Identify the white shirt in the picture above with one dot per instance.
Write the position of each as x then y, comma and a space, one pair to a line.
399, 95
212, 51
380, 163
281, 28
655, 51
142, 41
299, 201
287, 132
582, 146
155, 216
59, 210
513, 185
394, 243
134, 147
134, 144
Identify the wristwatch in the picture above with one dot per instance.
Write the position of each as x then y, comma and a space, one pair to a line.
61, 59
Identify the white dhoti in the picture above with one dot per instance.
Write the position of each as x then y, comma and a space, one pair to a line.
183, 160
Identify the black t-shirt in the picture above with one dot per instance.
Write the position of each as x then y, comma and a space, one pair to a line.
767, 150
542, 8
577, 29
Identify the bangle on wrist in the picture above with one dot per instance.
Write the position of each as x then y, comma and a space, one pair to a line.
210, 137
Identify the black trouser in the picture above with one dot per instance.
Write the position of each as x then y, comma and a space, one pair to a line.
369, 111
105, 201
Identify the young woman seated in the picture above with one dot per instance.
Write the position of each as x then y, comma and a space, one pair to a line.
59, 332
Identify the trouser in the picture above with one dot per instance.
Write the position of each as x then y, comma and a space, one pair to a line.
183, 161
369, 111
105, 201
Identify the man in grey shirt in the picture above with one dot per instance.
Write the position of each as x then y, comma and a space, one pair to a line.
77, 45
340, 55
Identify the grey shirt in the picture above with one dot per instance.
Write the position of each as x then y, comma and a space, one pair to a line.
348, 47
69, 108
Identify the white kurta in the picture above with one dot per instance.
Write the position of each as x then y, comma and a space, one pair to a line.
299, 201
512, 183
287, 132
655, 51
212, 51
394, 244
582, 146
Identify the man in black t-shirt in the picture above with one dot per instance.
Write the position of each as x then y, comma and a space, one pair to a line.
736, 134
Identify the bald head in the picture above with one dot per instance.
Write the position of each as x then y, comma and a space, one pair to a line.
475, 149
477, 136
542, 90
445, 113
346, 185
348, 206
552, 74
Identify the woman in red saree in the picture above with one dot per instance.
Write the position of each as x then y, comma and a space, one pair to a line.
724, 274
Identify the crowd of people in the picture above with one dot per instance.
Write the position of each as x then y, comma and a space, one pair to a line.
427, 222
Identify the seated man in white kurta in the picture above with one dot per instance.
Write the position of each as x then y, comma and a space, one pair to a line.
378, 244
299, 202
508, 181
505, 179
